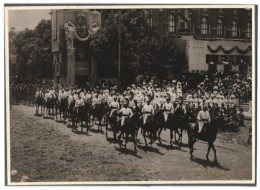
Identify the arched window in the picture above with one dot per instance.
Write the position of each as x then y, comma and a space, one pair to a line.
234, 31
248, 30
204, 26
171, 23
220, 27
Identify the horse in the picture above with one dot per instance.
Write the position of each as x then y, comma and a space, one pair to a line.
209, 136
39, 103
128, 129
80, 114
180, 123
87, 113
151, 127
171, 124
72, 113
62, 106
50, 104
99, 111
114, 122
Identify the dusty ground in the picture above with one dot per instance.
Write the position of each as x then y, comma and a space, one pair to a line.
45, 150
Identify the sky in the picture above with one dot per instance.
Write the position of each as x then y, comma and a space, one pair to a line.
21, 19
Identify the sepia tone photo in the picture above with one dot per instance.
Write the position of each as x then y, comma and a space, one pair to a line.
130, 94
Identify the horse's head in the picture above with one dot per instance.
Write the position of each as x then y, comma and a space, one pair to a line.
114, 114
149, 119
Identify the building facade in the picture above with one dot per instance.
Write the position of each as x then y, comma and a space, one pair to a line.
71, 32
210, 39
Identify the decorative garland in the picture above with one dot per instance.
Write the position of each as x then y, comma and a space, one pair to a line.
249, 48
82, 39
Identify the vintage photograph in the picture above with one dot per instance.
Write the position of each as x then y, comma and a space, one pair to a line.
146, 94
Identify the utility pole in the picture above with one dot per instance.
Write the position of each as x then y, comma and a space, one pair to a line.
119, 47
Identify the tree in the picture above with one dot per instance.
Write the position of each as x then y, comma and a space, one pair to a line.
140, 43
33, 51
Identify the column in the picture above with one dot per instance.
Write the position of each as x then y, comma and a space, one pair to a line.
71, 66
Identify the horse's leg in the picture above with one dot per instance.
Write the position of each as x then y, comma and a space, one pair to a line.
52, 113
181, 135
191, 147
119, 139
100, 124
114, 135
144, 137
106, 125
207, 155
81, 122
134, 138
151, 138
126, 136
56, 113
37, 108
159, 135
215, 152
171, 136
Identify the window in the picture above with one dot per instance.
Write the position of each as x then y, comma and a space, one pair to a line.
182, 25
171, 23
150, 23
204, 26
221, 11
234, 29
248, 30
220, 27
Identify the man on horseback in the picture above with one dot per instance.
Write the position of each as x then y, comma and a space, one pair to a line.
131, 101
79, 104
167, 107
114, 105
38, 97
147, 109
203, 119
96, 101
125, 111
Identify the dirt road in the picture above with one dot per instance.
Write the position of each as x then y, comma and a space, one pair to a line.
45, 150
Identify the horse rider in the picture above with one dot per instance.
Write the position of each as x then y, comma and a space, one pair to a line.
167, 107
96, 101
62, 95
203, 119
114, 105
71, 98
147, 109
79, 103
131, 101
125, 112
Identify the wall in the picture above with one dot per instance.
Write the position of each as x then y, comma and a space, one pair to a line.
197, 51
59, 18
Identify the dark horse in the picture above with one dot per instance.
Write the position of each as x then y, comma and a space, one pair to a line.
62, 106
172, 123
151, 127
210, 135
128, 128
50, 105
114, 122
99, 111
39, 103
72, 112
